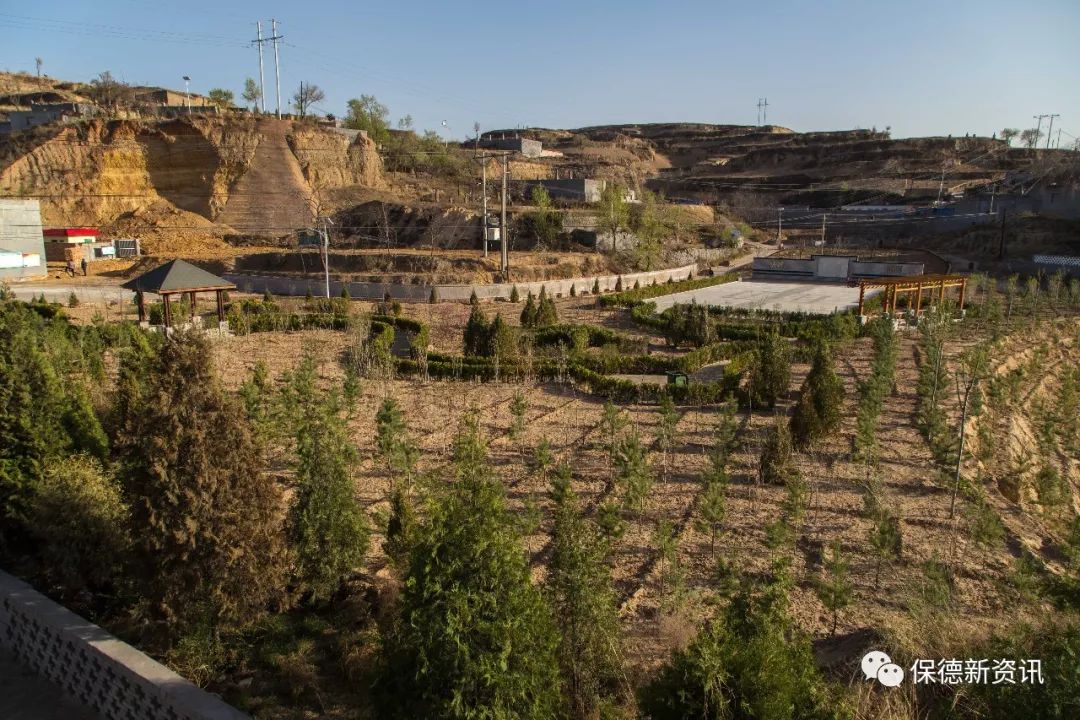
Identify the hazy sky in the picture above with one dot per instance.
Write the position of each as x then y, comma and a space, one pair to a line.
923, 68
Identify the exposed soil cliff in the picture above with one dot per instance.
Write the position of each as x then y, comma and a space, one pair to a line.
202, 173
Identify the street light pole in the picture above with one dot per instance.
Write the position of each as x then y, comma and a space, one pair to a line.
187, 93
779, 224
325, 221
503, 229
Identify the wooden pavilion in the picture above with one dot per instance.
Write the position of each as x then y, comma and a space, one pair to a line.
892, 287
178, 277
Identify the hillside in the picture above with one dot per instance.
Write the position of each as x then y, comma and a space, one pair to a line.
210, 176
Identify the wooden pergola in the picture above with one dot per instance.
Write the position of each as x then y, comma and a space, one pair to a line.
895, 286
178, 277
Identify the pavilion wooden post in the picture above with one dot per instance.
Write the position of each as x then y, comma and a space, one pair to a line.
168, 309
963, 291
140, 300
941, 292
862, 293
191, 305
220, 305
918, 299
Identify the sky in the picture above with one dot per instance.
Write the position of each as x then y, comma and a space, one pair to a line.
920, 68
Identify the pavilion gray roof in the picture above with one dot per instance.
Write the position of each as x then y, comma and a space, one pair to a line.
177, 276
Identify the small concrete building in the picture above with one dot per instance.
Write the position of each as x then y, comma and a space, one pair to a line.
528, 148
834, 268
42, 114
22, 250
575, 190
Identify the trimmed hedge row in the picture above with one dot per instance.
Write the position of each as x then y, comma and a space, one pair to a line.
630, 298
244, 323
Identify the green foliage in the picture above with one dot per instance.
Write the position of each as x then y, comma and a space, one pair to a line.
1056, 697
874, 389
688, 325
518, 407
613, 214
495, 339
221, 97
938, 587
206, 522
834, 588
632, 298
46, 413
666, 432
985, 524
610, 521
368, 114
392, 439
669, 568
771, 372
515, 296
582, 598
327, 529
73, 300
776, 466
632, 472
545, 224
750, 662
474, 639
80, 521
885, 539
817, 413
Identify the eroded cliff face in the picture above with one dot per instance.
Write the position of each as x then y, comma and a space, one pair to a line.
102, 172
331, 160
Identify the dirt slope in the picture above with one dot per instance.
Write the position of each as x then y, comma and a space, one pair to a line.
272, 198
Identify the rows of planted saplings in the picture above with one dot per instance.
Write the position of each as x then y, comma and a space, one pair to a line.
105, 494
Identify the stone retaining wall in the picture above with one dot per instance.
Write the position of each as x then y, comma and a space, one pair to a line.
93, 667
279, 285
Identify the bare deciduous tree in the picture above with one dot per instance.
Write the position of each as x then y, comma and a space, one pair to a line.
306, 96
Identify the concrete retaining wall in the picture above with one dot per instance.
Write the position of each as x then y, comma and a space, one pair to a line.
93, 667
453, 293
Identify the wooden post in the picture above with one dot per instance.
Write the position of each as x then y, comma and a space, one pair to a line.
168, 310
862, 291
918, 299
941, 292
191, 304
963, 290
220, 305
140, 299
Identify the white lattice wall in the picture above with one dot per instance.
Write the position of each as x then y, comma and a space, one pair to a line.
93, 667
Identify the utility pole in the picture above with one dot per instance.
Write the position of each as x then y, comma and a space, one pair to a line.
1038, 129
1050, 130
765, 112
1057, 145
262, 78
277, 65
187, 93
823, 216
325, 231
779, 225
759, 112
503, 229
941, 187
483, 192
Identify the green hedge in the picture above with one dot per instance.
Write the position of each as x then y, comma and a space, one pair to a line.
630, 298
244, 323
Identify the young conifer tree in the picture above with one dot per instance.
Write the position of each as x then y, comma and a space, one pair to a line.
206, 516
474, 637
583, 600
327, 529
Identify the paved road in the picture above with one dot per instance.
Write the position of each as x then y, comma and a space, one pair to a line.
26, 696
60, 292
